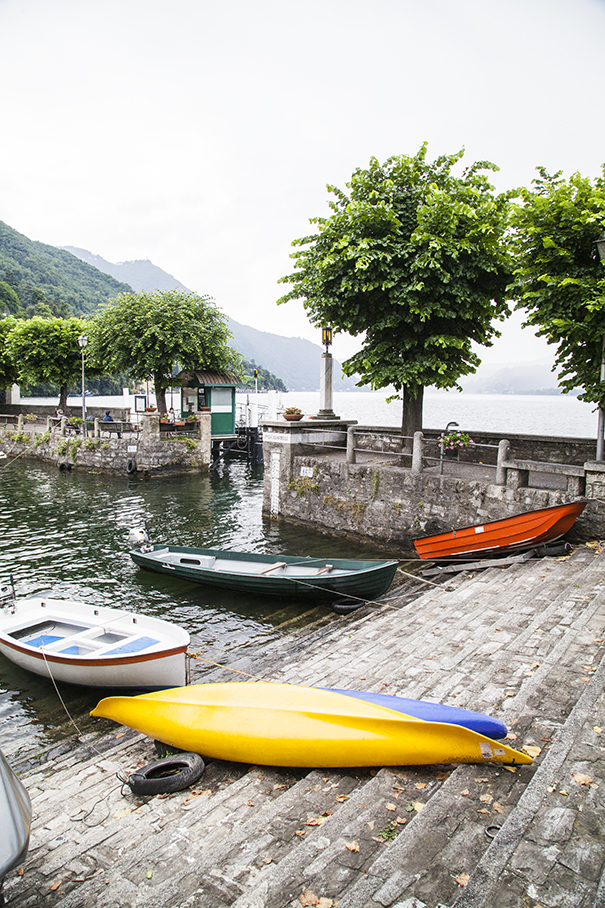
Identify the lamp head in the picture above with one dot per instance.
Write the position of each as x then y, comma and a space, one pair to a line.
326, 337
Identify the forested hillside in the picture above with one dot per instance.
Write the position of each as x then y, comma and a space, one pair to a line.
37, 279
48, 281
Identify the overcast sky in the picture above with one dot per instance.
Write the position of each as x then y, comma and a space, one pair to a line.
201, 135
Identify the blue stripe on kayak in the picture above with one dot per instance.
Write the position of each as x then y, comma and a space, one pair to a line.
433, 712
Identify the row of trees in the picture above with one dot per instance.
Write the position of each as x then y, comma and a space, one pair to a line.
144, 335
422, 263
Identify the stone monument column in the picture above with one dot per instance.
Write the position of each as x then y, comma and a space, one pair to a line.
325, 388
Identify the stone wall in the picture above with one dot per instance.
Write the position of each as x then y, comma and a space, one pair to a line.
391, 505
551, 449
144, 452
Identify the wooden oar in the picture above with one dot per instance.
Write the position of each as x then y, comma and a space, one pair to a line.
323, 570
273, 567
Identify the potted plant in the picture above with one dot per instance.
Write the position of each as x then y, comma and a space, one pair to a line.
292, 414
150, 409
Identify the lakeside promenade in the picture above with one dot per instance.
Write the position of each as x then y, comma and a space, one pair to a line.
524, 643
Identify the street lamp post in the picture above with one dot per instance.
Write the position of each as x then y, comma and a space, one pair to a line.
325, 378
449, 426
600, 244
82, 341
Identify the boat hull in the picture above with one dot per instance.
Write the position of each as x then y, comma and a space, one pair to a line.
518, 533
76, 643
274, 575
289, 725
15, 817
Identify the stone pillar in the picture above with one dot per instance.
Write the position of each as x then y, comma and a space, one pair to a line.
325, 388
503, 449
417, 452
151, 424
595, 480
351, 445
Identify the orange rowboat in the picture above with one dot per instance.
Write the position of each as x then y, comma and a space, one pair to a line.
518, 533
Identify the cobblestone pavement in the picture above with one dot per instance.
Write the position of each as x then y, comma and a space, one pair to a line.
523, 643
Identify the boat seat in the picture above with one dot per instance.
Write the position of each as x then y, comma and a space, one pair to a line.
132, 646
44, 640
206, 562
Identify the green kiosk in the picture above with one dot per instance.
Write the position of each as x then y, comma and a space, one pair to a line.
210, 390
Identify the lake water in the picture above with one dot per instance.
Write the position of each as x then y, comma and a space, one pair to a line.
515, 414
66, 534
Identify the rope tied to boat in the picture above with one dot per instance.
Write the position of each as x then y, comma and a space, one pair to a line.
69, 716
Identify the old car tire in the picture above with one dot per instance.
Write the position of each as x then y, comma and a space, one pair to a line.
170, 774
131, 466
344, 606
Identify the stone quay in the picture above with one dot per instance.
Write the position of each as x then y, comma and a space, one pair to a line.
524, 643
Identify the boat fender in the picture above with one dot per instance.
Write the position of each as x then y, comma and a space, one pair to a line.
344, 606
65, 467
131, 466
170, 774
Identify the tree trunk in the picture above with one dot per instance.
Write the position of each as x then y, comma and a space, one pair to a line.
160, 399
63, 397
412, 415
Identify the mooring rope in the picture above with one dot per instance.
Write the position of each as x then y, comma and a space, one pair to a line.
70, 717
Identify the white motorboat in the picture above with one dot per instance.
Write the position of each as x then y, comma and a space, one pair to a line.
77, 643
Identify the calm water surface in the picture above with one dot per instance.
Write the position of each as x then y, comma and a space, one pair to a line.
65, 534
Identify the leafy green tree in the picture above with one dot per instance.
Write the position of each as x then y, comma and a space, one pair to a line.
46, 350
413, 256
9, 371
265, 380
9, 300
558, 277
148, 334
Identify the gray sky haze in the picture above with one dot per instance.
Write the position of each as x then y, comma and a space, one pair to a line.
201, 135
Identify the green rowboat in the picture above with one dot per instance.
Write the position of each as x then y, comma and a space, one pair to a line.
274, 575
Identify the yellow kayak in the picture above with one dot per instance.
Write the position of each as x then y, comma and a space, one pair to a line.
290, 725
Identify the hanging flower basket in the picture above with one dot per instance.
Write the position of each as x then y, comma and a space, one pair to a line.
452, 442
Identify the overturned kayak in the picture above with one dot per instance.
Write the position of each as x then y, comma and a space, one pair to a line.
290, 725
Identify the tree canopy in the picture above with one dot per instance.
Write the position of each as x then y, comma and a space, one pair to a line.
46, 350
148, 334
414, 257
558, 276
9, 371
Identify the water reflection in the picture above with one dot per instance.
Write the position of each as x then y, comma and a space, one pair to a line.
66, 534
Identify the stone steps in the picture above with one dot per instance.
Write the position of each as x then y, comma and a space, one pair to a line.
520, 643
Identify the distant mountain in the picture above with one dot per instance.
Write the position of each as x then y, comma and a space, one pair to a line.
141, 274
51, 281
295, 360
512, 378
